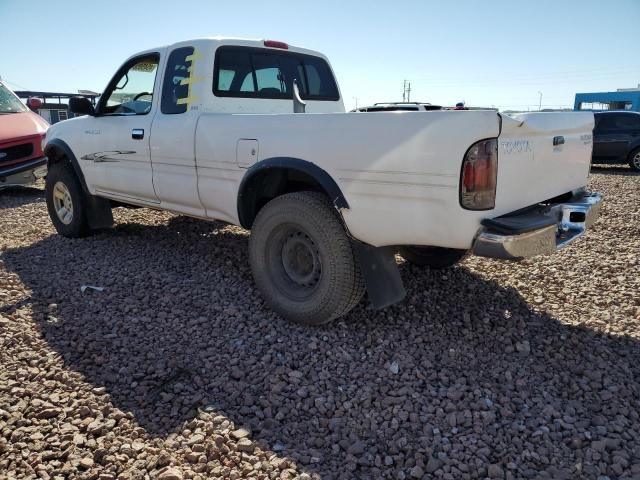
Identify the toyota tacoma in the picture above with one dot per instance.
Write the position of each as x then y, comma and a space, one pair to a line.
254, 133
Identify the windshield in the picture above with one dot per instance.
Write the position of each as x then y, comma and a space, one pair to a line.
9, 103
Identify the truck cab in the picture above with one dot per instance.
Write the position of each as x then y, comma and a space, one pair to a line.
159, 92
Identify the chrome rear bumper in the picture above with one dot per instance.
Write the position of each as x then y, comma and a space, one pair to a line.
567, 222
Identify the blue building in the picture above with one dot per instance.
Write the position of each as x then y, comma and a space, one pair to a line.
621, 99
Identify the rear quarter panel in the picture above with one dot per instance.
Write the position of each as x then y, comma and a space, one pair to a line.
398, 171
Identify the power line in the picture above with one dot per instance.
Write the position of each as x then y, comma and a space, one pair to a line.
554, 75
612, 76
512, 82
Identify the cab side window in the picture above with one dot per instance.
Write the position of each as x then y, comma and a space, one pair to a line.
131, 91
606, 123
248, 72
176, 86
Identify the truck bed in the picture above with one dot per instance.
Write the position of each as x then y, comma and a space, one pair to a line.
400, 168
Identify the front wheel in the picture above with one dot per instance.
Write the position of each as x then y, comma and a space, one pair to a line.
66, 201
434, 257
303, 261
634, 160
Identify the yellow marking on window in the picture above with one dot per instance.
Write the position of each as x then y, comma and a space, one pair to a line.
189, 80
186, 100
193, 57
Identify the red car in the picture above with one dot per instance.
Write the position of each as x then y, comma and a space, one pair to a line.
21, 135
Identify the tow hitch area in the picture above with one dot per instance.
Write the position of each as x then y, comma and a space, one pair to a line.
540, 231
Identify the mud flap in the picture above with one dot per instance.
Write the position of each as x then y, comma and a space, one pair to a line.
99, 213
381, 275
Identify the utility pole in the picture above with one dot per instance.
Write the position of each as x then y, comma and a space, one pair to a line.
406, 91
540, 102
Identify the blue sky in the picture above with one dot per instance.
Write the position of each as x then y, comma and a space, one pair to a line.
486, 53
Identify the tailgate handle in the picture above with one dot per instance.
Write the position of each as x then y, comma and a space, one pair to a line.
559, 140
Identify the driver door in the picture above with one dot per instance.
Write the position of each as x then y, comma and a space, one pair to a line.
116, 158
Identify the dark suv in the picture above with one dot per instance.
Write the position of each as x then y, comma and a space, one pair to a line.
616, 138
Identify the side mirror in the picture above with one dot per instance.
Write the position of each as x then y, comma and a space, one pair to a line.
34, 103
81, 106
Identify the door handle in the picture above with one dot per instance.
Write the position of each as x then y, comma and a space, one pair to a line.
137, 133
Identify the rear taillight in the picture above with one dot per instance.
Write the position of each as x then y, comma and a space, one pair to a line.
479, 172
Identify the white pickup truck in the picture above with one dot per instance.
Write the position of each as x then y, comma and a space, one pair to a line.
254, 133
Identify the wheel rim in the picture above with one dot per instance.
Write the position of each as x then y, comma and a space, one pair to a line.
295, 263
62, 203
636, 160
300, 259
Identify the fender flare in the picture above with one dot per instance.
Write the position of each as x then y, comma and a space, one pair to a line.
61, 145
326, 182
378, 266
99, 213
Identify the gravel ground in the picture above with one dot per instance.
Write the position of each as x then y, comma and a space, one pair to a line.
177, 370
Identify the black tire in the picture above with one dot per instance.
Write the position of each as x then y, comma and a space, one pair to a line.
634, 160
434, 257
61, 176
303, 261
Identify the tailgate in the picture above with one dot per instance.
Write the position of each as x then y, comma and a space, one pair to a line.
531, 168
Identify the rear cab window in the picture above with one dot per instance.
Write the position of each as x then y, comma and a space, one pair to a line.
249, 72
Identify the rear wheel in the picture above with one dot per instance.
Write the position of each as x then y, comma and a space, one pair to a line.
303, 261
66, 201
634, 160
434, 257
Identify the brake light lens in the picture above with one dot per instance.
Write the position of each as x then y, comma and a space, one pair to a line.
479, 174
276, 44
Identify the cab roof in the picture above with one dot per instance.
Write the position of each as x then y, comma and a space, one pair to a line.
246, 42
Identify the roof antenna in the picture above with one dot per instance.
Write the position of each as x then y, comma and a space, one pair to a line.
299, 106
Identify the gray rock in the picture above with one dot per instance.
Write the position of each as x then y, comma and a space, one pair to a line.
433, 464
416, 472
356, 448
495, 471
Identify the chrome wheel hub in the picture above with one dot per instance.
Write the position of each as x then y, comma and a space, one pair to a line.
62, 203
